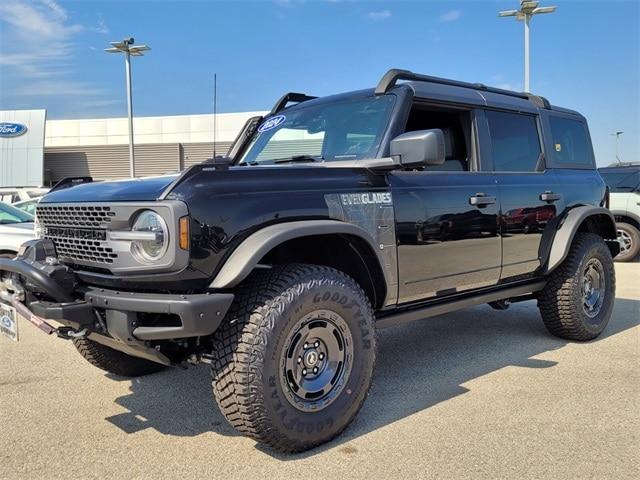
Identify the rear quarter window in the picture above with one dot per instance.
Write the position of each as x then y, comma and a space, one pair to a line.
571, 147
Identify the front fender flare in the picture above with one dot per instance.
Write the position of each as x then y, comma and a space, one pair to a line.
247, 255
568, 226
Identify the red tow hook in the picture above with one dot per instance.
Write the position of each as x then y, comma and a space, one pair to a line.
36, 320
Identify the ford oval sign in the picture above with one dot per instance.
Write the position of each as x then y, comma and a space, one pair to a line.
271, 123
12, 129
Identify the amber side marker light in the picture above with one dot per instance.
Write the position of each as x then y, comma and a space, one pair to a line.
184, 233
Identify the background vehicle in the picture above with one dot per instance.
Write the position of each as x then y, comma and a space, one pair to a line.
277, 269
16, 227
624, 185
28, 206
17, 194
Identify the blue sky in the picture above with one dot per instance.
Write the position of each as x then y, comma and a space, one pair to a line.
585, 56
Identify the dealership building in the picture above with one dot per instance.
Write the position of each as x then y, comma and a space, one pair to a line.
35, 151
49, 150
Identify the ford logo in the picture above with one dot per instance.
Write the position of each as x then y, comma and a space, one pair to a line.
6, 321
271, 123
12, 129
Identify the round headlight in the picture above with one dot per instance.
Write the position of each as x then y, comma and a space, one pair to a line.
153, 248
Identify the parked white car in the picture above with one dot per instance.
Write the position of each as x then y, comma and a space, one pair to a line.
17, 194
624, 203
16, 227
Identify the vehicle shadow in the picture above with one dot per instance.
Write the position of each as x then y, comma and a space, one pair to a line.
419, 365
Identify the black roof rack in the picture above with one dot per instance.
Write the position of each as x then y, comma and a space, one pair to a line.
288, 98
389, 80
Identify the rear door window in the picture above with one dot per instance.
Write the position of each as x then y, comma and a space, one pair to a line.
515, 143
571, 145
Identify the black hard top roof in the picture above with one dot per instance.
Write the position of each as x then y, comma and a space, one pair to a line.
441, 90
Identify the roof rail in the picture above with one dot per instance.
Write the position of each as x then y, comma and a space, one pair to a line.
389, 80
290, 97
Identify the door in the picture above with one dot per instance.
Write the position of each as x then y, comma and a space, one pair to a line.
529, 193
447, 232
446, 215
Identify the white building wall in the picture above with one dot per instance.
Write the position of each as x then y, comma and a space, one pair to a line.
21, 157
146, 130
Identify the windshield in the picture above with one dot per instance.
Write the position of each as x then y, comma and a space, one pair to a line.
9, 214
339, 130
622, 181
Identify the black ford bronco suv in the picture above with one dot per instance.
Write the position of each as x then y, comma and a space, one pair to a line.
329, 218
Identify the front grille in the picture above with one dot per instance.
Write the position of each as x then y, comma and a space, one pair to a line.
75, 216
78, 232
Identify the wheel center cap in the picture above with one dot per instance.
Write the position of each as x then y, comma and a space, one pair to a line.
311, 358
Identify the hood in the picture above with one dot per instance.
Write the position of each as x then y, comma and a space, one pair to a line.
26, 228
130, 190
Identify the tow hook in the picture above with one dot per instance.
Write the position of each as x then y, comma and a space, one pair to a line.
68, 333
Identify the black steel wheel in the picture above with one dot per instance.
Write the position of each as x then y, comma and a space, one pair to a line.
293, 361
316, 360
578, 299
594, 288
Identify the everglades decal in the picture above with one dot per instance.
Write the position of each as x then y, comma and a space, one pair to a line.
271, 123
373, 212
365, 198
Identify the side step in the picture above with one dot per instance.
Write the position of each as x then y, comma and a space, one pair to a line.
440, 307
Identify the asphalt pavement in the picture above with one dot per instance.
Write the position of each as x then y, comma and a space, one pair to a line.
473, 394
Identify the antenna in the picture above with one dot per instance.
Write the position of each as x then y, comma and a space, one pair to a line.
215, 111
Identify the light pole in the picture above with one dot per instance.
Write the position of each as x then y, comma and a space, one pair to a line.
127, 47
527, 10
617, 135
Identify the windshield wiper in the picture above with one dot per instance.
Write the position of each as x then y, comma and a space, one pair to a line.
298, 158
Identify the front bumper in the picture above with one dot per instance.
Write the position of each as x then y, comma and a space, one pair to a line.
44, 291
199, 314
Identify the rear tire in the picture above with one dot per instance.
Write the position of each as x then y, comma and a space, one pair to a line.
293, 362
113, 361
577, 302
629, 237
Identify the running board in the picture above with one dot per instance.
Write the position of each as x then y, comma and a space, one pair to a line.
441, 307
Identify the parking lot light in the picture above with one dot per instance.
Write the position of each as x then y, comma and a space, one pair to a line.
127, 47
527, 10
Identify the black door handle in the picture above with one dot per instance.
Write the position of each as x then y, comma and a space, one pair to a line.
481, 200
550, 196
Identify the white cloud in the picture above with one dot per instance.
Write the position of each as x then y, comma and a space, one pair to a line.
101, 26
38, 43
450, 16
42, 19
379, 16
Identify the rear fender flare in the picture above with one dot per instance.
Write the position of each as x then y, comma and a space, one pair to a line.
568, 225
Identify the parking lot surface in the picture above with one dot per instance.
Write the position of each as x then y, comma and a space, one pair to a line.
473, 394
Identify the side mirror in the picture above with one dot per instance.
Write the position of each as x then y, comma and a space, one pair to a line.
420, 148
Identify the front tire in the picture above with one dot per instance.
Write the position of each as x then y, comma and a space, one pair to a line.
629, 238
113, 361
293, 362
577, 302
